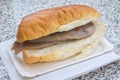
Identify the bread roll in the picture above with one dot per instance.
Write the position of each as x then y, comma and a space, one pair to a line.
59, 19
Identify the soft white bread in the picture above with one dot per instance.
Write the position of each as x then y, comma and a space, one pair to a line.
45, 22
66, 49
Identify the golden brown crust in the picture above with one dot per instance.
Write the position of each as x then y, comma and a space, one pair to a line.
47, 21
36, 59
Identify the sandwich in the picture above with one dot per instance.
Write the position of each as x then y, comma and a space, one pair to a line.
58, 33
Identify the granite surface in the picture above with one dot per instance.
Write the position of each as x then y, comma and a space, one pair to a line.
12, 11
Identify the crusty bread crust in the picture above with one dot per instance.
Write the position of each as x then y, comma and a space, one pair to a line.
45, 22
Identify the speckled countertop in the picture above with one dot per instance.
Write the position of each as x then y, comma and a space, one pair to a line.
12, 11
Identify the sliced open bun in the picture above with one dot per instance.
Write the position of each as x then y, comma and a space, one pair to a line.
66, 49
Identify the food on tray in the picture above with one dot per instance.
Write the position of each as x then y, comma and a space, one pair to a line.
58, 33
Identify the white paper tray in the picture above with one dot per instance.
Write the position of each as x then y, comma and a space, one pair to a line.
83, 65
